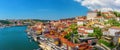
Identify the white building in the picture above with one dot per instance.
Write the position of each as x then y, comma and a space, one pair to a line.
91, 15
81, 28
84, 30
106, 33
118, 18
113, 30
99, 25
80, 20
89, 30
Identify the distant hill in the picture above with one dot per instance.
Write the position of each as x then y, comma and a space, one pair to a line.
5, 22
38, 20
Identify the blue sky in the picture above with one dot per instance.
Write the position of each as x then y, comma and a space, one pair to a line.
40, 9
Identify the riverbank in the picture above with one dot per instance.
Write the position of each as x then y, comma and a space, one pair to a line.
41, 39
33, 36
4, 26
44, 42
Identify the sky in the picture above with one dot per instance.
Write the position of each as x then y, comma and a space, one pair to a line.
53, 9
41, 9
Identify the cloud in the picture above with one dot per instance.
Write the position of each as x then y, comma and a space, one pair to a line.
103, 5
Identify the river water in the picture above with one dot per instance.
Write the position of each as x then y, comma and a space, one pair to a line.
15, 38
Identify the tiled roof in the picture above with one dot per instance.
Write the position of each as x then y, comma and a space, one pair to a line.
108, 16
67, 42
88, 28
81, 31
81, 27
50, 36
84, 46
114, 27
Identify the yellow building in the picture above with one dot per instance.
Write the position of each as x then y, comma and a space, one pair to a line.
119, 40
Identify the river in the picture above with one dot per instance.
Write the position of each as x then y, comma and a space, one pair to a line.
15, 38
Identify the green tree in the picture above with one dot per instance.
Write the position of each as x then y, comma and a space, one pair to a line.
73, 36
90, 34
117, 13
98, 32
113, 22
5, 22
99, 13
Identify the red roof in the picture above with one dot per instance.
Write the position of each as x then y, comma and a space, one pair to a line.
81, 31
88, 28
81, 27
67, 42
108, 16
118, 28
50, 36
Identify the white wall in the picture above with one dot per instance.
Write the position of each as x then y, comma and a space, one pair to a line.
80, 23
113, 31
89, 31
91, 15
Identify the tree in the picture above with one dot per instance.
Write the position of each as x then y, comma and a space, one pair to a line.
90, 34
73, 36
98, 32
99, 13
117, 14
5, 22
113, 22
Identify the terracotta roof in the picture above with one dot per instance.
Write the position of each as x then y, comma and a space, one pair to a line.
63, 40
81, 20
105, 31
85, 33
50, 36
81, 27
63, 33
108, 16
88, 28
67, 42
114, 27
81, 31
84, 46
